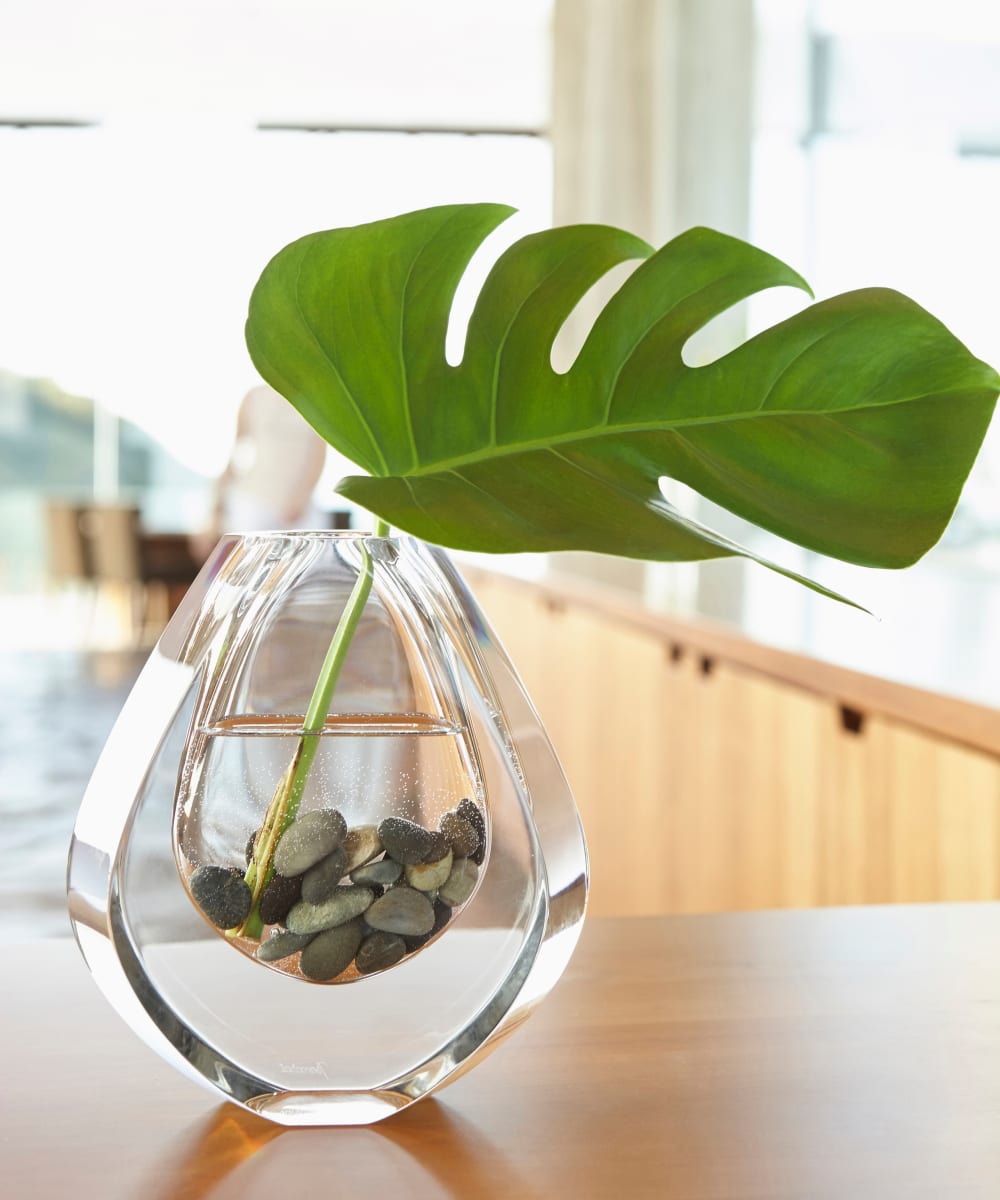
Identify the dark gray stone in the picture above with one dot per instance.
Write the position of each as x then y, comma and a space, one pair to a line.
278, 897
319, 882
471, 813
329, 954
222, 895
339, 908
378, 951
401, 910
405, 841
461, 835
438, 848
378, 873
442, 915
311, 838
281, 945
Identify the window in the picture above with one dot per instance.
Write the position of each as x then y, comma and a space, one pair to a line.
154, 159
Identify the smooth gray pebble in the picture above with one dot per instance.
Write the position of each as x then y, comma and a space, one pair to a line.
401, 910
319, 882
343, 905
380, 873
378, 951
331, 952
460, 884
307, 840
281, 945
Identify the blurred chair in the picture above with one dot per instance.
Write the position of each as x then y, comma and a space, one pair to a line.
168, 567
69, 572
97, 550
111, 536
67, 557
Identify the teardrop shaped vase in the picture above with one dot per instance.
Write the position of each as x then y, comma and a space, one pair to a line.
325, 907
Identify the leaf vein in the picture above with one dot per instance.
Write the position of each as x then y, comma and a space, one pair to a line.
597, 432
498, 354
801, 353
407, 411
358, 412
644, 333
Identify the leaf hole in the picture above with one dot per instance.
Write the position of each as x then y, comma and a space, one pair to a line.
675, 652
718, 338
473, 278
706, 665
733, 326
573, 332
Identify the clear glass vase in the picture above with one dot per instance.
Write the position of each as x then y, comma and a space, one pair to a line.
326, 913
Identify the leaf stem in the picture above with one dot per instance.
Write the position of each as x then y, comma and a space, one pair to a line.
288, 794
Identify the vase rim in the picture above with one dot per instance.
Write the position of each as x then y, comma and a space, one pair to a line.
313, 535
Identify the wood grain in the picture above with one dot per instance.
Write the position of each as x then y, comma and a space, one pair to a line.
715, 775
846, 1054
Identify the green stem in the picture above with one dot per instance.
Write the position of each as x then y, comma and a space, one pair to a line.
285, 803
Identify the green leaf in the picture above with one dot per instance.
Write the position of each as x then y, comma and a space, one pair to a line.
849, 428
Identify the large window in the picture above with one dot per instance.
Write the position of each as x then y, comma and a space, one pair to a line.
877, 161
155, 158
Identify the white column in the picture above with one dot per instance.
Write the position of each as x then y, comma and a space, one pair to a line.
651, 129
652, 114
106, 432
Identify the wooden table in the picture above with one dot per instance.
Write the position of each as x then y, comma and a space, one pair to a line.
847, 1053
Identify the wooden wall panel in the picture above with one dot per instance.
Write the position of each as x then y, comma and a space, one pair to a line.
707, 785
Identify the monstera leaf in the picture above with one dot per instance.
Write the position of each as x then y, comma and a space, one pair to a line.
848, 429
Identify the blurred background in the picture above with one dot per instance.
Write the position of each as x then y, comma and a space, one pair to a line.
153, 157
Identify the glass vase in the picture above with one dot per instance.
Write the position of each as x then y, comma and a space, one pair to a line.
325, 907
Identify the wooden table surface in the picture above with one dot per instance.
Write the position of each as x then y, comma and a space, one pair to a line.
847, 1053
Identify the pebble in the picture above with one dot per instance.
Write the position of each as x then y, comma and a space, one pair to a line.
319, 882
378, 951
402, 910
331, 952
361, 844
280, 945
470, 812
345, 904
460, 834
438, 848
405, 841
428, 877
461, 883
278, 897
392, 907
442, 915
379, 873
222, 895
312, 837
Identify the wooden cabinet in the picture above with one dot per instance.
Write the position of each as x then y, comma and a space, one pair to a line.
715, 774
